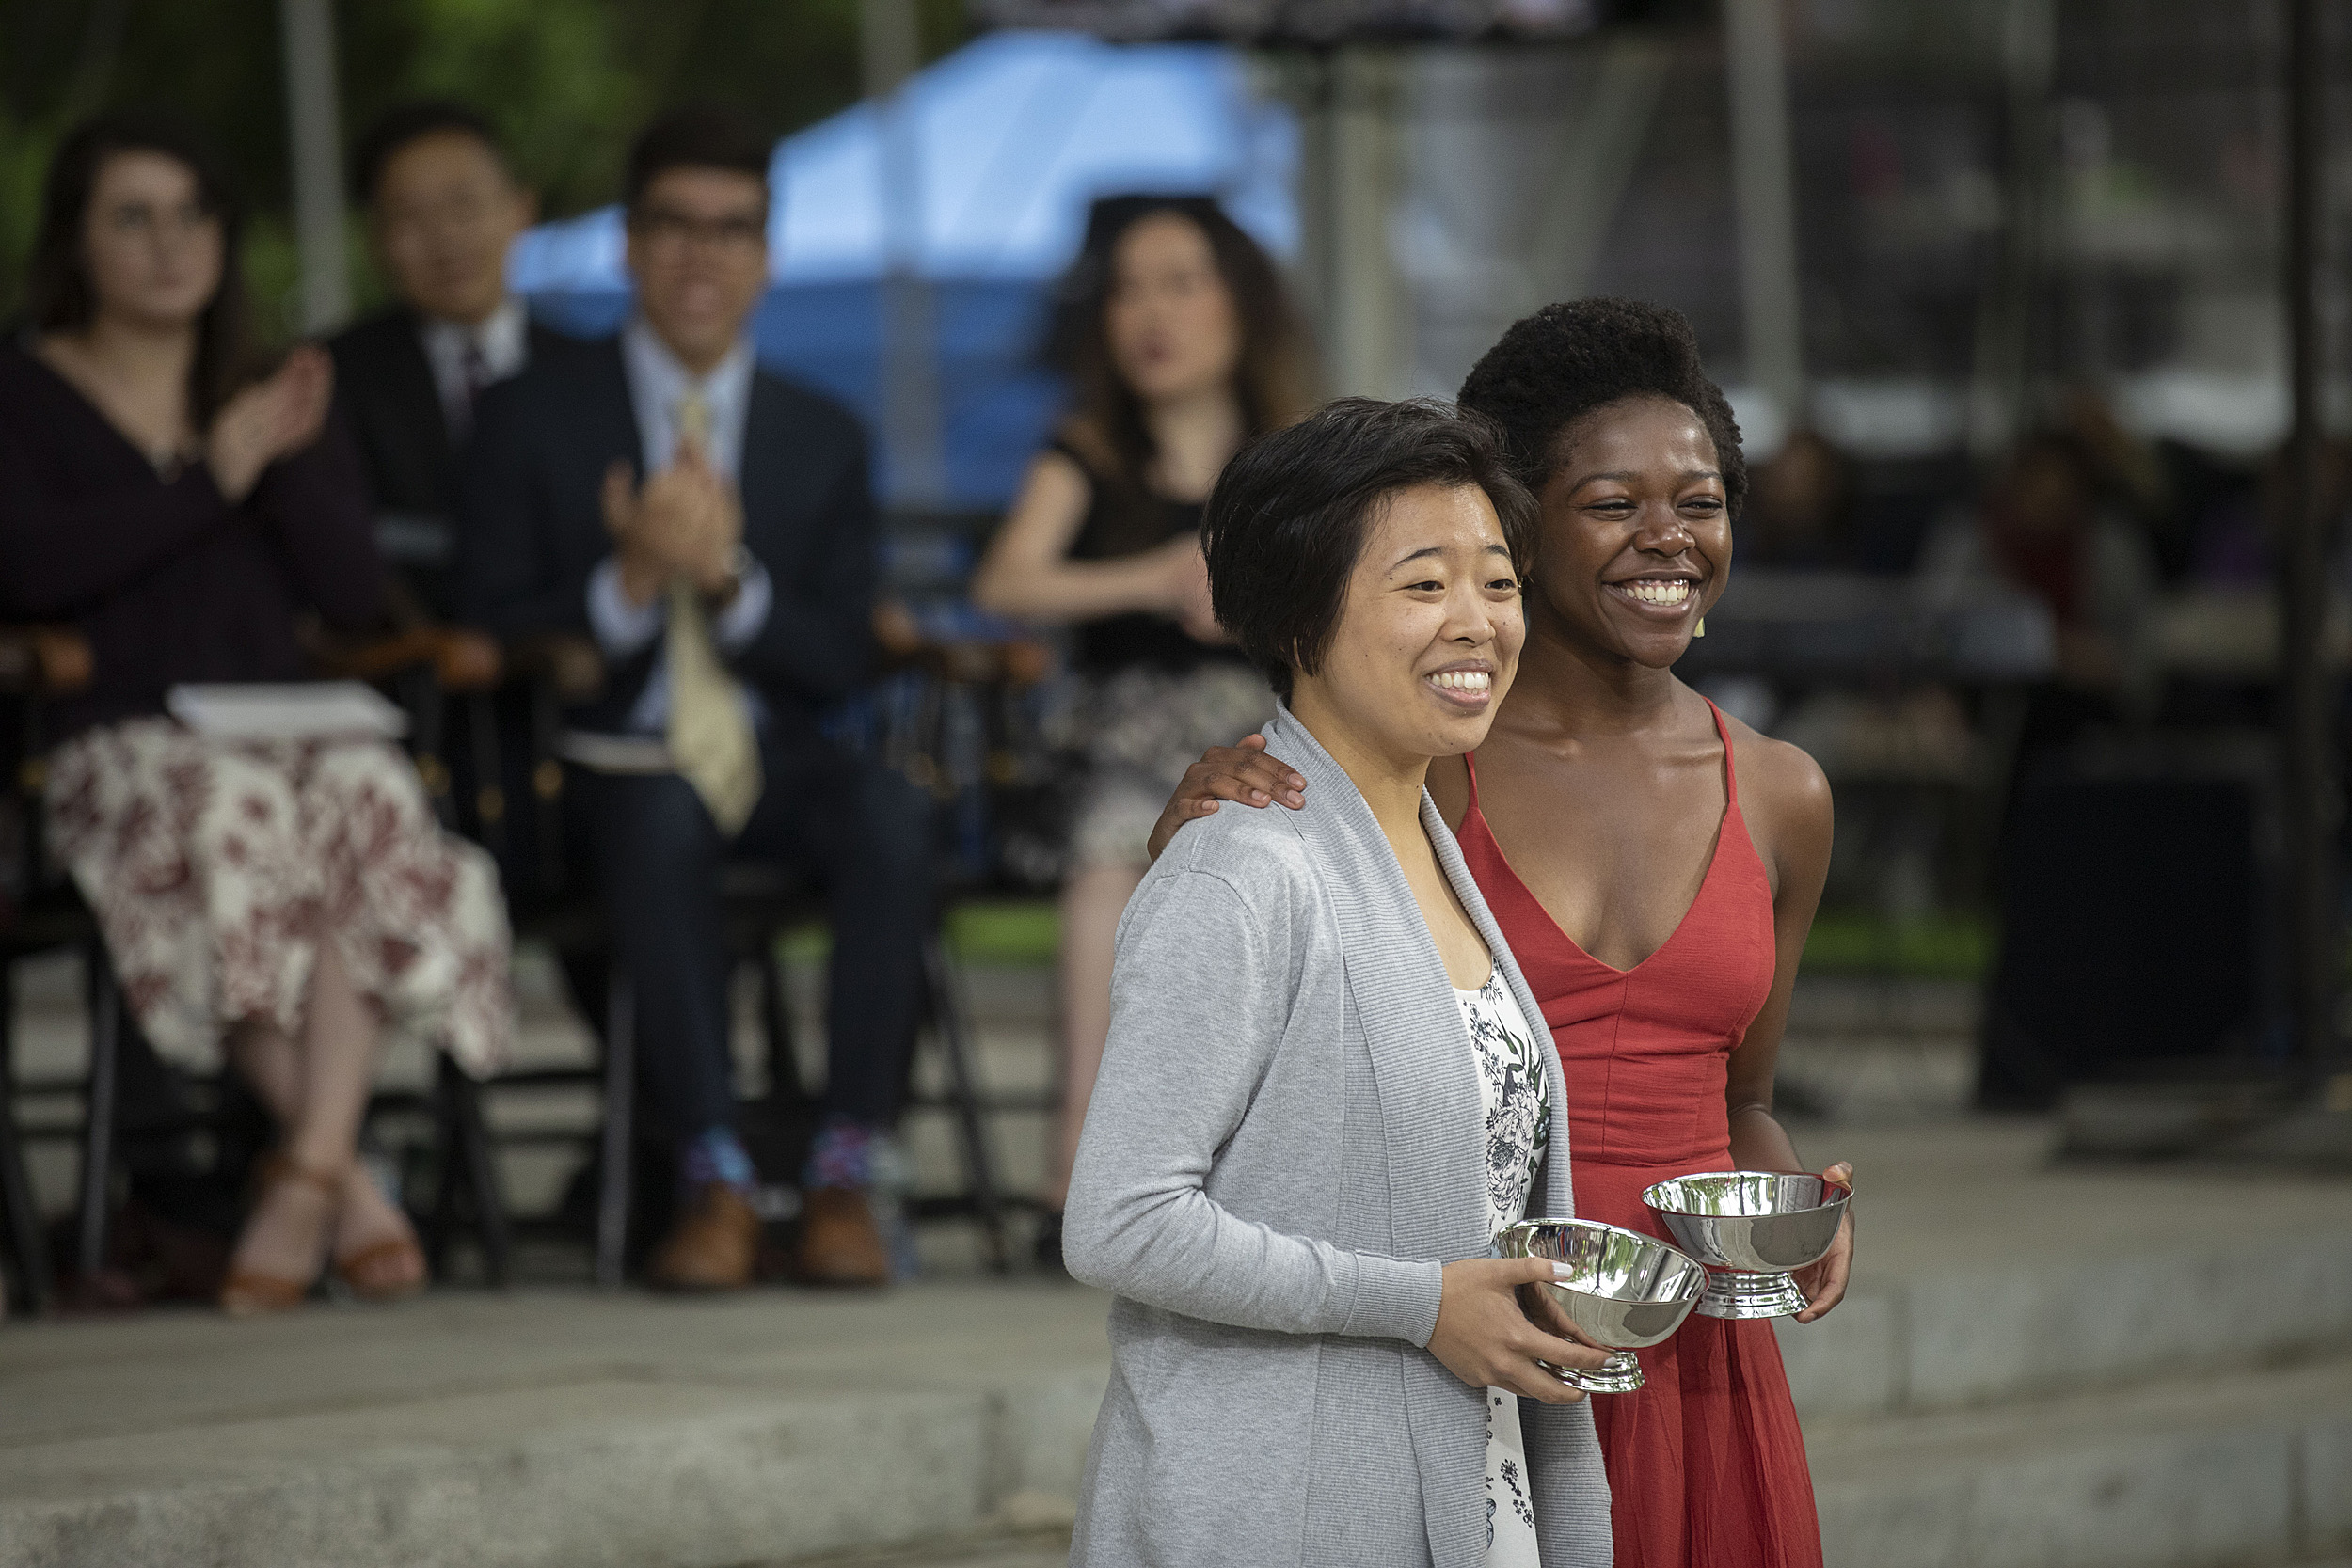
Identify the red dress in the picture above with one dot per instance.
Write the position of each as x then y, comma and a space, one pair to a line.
1706, 1468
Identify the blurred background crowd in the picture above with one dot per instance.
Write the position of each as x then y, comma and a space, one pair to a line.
1995, 287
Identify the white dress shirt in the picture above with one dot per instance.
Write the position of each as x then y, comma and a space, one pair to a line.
657, 384
502, 339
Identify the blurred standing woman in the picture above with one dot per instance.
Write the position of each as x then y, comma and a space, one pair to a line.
286, 899
1182, 346
1655, 864
1322, 1100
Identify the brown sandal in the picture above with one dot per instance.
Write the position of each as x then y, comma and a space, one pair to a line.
250, 1293
366, 1276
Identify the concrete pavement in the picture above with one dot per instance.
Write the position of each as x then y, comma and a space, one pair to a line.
2037, 1368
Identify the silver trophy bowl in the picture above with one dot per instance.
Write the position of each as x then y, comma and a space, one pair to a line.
1750, 1229
1623, 1291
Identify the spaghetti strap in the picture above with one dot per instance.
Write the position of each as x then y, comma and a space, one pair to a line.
1723, 731
1470, 762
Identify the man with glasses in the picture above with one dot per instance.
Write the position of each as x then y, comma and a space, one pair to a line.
709, 524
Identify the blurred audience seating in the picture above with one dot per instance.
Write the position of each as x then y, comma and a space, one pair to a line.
762, 905
43, 913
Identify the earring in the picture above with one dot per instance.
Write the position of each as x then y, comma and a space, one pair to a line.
1701, 630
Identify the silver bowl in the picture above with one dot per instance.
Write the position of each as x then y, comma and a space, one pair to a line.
1750, 1229
1623, 1291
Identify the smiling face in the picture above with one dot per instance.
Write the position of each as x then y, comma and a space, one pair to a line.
154, 250
1428, 635
1636, 533
446, 212
698, 248
1170, 320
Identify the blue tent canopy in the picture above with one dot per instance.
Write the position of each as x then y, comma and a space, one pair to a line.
1015, 135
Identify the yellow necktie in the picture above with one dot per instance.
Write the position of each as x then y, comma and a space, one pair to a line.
710, 734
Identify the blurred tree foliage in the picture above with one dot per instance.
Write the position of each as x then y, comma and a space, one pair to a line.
568, 82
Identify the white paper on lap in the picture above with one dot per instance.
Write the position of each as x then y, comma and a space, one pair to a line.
305, 711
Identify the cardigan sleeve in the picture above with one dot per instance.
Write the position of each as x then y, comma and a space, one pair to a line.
1199, 1000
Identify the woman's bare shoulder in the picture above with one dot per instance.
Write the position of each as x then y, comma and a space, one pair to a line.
1779, 782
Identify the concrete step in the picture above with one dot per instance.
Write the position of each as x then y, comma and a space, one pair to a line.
1984, 1272
549, 1431
2003, 1390
1026, 1549
2247, 1467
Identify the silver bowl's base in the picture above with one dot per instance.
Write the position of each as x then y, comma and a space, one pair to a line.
1620, 1374
1740, 1296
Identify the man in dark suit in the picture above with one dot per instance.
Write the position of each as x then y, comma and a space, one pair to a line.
443, 211
711, 525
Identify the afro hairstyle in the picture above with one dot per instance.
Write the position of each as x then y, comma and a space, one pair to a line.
1551, 369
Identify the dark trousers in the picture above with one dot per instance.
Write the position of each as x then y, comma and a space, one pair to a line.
859, 831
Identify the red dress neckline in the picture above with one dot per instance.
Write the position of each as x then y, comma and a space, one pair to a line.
1714, 857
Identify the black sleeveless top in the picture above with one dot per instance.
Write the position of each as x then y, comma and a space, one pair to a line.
1115, 527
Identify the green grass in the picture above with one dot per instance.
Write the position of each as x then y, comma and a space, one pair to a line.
1844, 942
1943, 946
998, 931
1013, 931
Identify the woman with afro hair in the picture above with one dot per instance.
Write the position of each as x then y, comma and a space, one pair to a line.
1655, 865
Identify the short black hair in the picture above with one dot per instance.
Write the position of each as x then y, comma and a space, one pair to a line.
706, 135
1551, 369
1288, 518
402, 124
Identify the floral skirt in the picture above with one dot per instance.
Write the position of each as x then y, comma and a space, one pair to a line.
212, 866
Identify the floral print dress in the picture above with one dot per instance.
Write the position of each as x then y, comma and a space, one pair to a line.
213, 865
1518, 1128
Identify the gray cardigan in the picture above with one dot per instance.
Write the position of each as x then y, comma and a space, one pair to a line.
1285, 1146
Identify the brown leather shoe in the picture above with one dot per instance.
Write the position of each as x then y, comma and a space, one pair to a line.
712, 1244
840, 1245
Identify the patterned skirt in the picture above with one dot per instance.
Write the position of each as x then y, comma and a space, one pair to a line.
1138, 730
212, 866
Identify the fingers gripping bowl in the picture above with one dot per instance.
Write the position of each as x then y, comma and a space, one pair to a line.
1750, 1229
1622, 1290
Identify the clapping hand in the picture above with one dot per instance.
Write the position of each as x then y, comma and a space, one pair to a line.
685, 521
270, 419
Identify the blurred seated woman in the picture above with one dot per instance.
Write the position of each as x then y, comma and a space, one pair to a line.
1182, 345
288, 901
1324, 1096
2052, 527
1800, 506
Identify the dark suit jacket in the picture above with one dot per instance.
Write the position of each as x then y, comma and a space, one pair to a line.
531, 527
385, 396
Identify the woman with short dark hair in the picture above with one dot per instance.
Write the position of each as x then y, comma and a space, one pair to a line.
1179, 344
1655, 865
284, 900
1321, 1099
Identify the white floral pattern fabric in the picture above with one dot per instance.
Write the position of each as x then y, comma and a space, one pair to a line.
1518, 1128
211, 866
